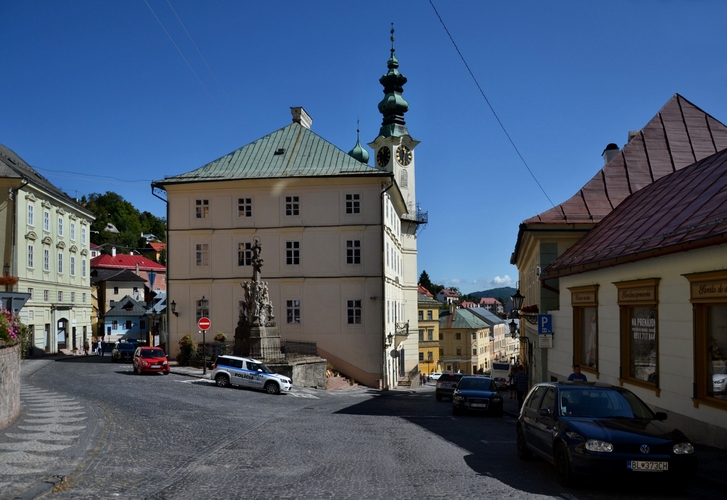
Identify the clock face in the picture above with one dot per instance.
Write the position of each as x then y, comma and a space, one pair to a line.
403, 155
383, 156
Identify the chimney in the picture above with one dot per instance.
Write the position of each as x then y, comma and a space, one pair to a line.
301, 117
632, 134
609, 153
113, 251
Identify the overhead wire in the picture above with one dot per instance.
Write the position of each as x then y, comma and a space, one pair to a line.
492, 109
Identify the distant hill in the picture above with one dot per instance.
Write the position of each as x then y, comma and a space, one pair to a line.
496, 293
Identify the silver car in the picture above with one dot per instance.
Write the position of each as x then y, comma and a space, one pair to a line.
246, 372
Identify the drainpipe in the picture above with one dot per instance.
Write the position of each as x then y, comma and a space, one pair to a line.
384, 366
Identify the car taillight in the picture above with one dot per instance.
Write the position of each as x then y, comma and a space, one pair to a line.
214, 367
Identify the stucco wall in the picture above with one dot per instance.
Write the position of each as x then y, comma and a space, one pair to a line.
9, 384
676, 336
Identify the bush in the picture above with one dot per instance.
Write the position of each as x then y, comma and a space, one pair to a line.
187, 350
220, 337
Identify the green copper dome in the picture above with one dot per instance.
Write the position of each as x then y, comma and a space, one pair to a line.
358, 152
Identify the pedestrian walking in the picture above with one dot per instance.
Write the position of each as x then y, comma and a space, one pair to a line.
100, 347
85, 347
521, 384
511, 382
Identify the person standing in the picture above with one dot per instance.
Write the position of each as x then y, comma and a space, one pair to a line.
85, 347
511, 382
577, 376
100, 347
521, 384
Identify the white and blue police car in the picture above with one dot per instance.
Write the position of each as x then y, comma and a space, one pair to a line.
246, 372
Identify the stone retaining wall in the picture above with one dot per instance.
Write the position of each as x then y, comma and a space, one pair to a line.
9, 384
304, 371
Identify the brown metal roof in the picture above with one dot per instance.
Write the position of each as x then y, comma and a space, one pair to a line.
677, 136
679, 212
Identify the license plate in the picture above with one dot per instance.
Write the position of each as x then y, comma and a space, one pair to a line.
155, 366
479, 405
648, 466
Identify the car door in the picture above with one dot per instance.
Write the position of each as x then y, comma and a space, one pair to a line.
254, 377
237, 373
530, 410
544, 423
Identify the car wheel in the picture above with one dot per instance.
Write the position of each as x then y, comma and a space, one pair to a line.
439, 397
522, 447
562, 466
272, 388
221, 380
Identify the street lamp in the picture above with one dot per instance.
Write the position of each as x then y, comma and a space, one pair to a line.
517, 304
174, 308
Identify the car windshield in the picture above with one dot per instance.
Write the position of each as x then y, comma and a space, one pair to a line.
596, 402
152, 353
476, 384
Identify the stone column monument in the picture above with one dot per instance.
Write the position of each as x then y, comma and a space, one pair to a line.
256, 334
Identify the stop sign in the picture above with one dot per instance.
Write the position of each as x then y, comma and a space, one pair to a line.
204, 323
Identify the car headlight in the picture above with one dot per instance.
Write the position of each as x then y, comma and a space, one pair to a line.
496, 399
164, 363
145, 363
683, 449
598, 445
458, 397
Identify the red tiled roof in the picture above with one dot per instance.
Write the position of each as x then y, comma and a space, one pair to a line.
679, 212
679, 135
421, 289
489, 300
159, 247
125, 261
449, 293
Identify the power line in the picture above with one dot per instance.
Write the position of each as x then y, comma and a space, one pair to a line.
488, 103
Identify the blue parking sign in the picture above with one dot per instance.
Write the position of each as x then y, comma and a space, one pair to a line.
545, 324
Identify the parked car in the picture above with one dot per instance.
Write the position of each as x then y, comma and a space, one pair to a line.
446, 384
589, 428
501, 382
719, 383
123, 351
150, 360
435, 376
246, 372
477, 394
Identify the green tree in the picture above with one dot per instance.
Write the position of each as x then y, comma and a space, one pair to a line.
425, 281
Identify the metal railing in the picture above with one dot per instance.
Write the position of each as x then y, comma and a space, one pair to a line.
289, 349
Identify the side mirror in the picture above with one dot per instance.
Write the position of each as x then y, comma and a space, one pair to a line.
660, 415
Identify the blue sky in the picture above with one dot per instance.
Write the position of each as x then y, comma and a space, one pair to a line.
108, 96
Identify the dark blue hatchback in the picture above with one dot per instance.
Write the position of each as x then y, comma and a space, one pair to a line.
588, 428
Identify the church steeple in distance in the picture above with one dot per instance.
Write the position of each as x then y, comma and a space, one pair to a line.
393, 106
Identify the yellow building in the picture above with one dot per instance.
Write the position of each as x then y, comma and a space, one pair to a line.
429, 348
465, 341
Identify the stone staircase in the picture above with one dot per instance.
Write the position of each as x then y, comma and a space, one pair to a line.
337, 383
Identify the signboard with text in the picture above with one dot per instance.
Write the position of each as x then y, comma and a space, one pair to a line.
545, 324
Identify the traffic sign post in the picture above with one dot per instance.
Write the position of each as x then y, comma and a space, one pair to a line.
204, 325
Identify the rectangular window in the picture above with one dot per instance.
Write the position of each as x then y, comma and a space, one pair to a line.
31, 215
474, 352
292, 253
638, 307
292, 205
73, 231
244, 207
31, 256
430, 334
83, 267
708, 295
60, 263
73, 265
353, 204
421, 356
60, 226
46, 220
244, 254
73, 297
83, 235
202, 255
46, 295
421, 335
353, 252
421, 315
83, 298
46, 259
142, 325
354, 312
430, 355
116, 290
30, 292
459, 351
202, 208
201, 311
128, 324
458, 336
115, 325
292, 311
60, 296
429, 315
584, 301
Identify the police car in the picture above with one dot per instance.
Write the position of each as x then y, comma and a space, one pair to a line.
232, 370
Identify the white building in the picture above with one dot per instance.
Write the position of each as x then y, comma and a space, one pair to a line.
46, 246
338, 241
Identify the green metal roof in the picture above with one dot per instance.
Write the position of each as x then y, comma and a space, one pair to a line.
292, 151
462, 318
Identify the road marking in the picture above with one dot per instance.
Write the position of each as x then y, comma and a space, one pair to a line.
302, 395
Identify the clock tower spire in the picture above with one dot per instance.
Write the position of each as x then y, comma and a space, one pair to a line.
393, 106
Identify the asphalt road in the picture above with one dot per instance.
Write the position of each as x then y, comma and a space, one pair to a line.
93, 429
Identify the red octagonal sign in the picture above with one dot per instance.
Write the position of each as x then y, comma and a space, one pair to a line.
204, 323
